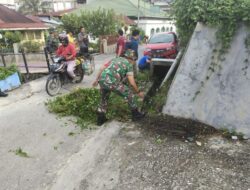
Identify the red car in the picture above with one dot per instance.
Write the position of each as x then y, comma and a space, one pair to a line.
162, 45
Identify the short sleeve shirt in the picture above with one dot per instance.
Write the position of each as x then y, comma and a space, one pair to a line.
120, 42
143, 62
117, 71
66, 51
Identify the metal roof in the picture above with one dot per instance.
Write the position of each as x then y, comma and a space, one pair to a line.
125, 7
10, 19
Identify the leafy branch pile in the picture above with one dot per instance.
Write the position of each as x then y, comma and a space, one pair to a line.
83, 104
227, 15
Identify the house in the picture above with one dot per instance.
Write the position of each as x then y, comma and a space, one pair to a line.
147, 16
31, 28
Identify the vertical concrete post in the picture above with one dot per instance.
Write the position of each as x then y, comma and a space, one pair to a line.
105, 46
16, 51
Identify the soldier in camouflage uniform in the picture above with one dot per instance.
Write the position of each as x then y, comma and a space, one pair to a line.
52, 42
112, 80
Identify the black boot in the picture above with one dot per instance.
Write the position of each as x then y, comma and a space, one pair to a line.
136, 115
2, 94
101, 118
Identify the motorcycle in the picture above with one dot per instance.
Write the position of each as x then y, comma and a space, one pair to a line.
59, 76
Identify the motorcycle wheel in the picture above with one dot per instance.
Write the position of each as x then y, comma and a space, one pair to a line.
79, 72
53, 85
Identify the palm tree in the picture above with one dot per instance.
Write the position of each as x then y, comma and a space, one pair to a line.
34, 6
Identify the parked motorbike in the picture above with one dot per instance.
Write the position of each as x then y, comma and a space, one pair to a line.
59, 76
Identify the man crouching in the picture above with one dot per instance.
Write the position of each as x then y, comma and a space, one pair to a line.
112, 79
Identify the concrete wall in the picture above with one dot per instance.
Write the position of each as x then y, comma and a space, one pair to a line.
212, 88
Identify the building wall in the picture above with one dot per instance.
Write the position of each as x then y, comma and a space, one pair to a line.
154, 26
60, 5
33, 35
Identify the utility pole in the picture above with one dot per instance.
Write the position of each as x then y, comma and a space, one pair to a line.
138, 15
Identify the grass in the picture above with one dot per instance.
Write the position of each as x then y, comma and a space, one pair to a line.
21, 153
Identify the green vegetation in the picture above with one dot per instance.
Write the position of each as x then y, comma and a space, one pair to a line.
7, 71
229, 133
31, 46
83, 103
227, 15
21, 153
99, 22
155, 101
8, 39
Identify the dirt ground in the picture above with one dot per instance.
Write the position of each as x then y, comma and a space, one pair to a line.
158, 156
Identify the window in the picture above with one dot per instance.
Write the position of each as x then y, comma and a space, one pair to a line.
81, 1
162, 38
38, 35
163, 29
171, 28
157, 30
30, 35
152, 31
167, 29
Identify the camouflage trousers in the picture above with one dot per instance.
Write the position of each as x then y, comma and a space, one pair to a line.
120, 89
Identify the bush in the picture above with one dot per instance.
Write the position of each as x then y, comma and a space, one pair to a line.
94, 47
12, 37
31, 46
8, 39
7, 71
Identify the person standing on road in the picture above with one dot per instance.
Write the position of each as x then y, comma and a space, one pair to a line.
134, 44
120, 47
71, 38
52, 42
83, 41
112, 80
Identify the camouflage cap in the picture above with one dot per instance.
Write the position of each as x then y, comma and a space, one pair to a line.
129, 53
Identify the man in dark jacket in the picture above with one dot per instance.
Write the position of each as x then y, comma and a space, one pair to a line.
133, 44
83, 41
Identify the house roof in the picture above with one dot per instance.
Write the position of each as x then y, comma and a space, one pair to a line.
126, 7
12, 20
128, 21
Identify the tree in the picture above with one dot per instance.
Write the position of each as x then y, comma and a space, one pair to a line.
226, 15
99, 22
34, 6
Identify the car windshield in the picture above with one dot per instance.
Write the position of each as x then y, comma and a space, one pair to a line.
161, 38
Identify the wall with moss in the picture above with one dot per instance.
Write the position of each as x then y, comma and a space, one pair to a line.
211, 85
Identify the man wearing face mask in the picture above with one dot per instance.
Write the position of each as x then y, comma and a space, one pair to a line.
68, 51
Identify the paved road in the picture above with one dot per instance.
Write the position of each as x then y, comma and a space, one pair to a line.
26, 123
115, 156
